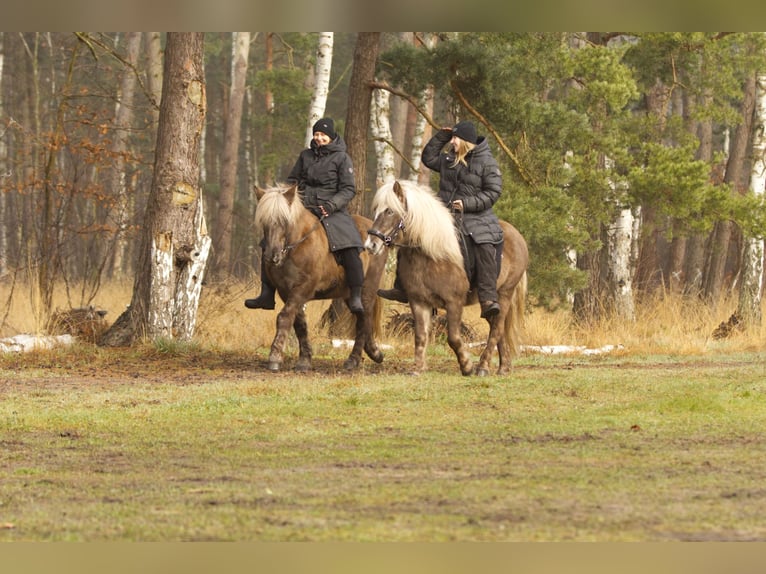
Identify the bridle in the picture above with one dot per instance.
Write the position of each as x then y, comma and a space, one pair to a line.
287, 248
388, 240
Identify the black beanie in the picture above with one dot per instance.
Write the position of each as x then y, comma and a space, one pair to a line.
465, 131
326, 126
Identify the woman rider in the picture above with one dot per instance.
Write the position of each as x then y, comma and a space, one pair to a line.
325, 177
469, 184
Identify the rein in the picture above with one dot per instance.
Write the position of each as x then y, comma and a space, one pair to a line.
287, 248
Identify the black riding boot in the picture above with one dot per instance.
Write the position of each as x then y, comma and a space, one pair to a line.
266, 299
397, 293
354, 277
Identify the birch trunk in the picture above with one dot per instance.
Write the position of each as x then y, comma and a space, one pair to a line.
321, 90
232, 128
175, 244
381, 133
123, 118
751, 289
154, 72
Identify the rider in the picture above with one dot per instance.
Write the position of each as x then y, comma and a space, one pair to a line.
469, 184
325, 177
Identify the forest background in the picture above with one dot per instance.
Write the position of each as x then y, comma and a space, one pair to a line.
630, 161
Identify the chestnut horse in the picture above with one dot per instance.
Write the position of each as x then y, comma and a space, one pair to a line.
298, 262
433, 275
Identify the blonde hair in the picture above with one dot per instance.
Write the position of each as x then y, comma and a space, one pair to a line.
462, 149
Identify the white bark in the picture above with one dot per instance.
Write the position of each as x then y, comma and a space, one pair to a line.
154, 72
161, 302
190, 279
322, 81
619, 276
426, 102
749, 306
381, 132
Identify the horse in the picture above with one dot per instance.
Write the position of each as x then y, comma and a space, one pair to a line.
298, 262
433, 275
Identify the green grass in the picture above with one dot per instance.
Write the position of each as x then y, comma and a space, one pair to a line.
167, 447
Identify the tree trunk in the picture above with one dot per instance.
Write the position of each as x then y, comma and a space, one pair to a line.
694, 263
175, 244
381, 133
358, 114
735, 169
239, 52
751, 288
123, 118
154, 71
321, 89
3, 170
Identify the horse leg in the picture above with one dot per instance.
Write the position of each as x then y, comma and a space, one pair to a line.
455, 340
355, 358
285, 320
302, 332
496, 338
421, 315
371, 319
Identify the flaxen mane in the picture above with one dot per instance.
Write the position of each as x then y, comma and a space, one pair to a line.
428, 224
273, 208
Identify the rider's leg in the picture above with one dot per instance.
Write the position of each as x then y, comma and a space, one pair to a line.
486, 279
266, 299
352, 264
397, 293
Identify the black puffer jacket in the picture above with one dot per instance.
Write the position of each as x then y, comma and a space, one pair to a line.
325, 177
478, 185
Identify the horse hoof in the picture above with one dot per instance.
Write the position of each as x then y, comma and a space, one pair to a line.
351, 364
482, 372
273, 366
376, 355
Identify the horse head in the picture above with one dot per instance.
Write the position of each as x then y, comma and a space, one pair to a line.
390, 207
275, 216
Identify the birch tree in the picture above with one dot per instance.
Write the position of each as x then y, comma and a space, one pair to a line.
154, 70
239, 53
175, 244
751, 289
123, 118
381, 133
322, 70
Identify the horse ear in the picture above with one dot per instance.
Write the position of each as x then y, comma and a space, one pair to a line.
290, 193
259, 193
399, 191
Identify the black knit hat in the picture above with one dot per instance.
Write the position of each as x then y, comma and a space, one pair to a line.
326, 126
465, 131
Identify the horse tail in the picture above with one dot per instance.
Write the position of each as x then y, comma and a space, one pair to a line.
514, 319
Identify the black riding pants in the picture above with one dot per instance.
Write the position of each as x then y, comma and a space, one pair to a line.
485, 271
352, 263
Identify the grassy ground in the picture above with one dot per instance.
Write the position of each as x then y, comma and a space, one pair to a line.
201, 446
661, 440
